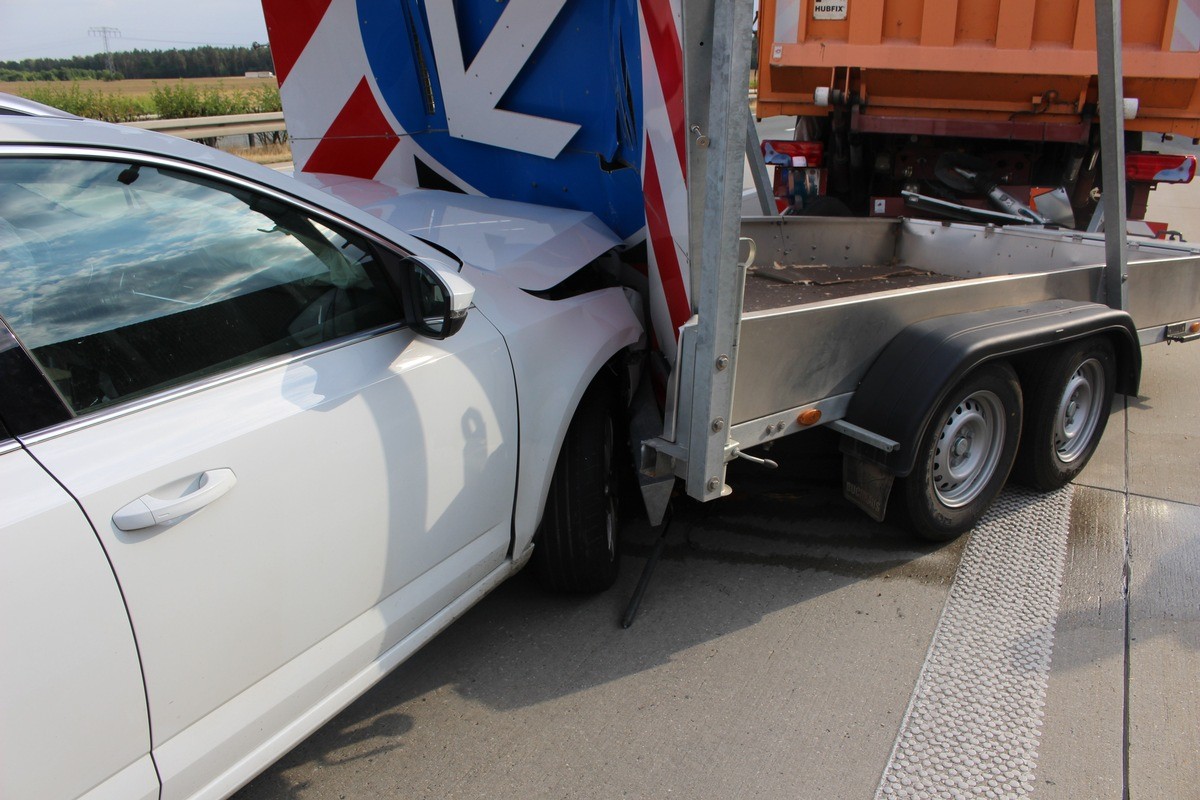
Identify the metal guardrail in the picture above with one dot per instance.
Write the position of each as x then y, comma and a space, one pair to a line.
210, 127
232, 125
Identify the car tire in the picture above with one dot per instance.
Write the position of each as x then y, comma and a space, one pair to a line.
965, 454
1070, 393
577, 546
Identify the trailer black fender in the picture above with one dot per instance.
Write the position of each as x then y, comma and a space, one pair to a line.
913, 373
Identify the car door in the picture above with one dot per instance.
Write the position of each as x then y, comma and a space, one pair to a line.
69, 677
286, 479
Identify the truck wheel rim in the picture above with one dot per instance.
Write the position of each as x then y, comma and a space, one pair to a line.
1079, 409
968, 449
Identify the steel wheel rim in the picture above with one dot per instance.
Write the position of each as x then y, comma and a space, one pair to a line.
968, 449
1079, 410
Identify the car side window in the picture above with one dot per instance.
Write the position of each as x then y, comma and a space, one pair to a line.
122, 279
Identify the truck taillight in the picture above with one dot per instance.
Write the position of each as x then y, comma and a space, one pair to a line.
1156, 167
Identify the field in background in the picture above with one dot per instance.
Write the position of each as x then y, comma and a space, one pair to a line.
142, 87
264, 153
127, 101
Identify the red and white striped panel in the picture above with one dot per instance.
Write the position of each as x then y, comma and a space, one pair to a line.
664, 169
336, 120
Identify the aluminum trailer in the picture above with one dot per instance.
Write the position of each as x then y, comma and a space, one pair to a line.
764, 358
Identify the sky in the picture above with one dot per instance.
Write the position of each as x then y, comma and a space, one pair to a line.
59, 28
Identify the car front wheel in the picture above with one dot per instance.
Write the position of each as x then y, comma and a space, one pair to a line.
577, 547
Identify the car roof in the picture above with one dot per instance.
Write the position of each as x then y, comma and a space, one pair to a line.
535, 247
76, 132
69, 131
11, 104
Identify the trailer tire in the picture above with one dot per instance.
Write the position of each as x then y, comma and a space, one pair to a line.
1069, 392
577, 546
977, 427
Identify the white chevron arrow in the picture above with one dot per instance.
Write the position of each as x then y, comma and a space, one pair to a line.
470, 94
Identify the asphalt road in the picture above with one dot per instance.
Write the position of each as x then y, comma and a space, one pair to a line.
787, 644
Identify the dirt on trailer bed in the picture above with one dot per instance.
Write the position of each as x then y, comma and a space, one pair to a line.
783, 285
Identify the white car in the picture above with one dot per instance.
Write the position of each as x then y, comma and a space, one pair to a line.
258, 444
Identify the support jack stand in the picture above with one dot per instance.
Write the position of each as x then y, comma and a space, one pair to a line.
635, 601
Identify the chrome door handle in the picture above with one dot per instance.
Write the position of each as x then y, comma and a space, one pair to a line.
148, 510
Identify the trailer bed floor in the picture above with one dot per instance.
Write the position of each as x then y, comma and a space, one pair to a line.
783, 285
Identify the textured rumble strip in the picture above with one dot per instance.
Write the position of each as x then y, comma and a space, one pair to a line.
972, 725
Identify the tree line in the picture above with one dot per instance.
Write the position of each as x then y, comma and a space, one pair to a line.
198, 62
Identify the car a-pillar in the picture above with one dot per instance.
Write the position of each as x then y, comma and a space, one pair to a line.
963, 398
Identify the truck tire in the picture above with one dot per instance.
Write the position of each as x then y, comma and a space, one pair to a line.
1069, 396
965, 454
577, 546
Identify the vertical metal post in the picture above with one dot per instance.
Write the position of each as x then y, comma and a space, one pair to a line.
719, 301
1112, 148
758, 169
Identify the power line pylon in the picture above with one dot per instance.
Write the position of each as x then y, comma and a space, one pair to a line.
106, 33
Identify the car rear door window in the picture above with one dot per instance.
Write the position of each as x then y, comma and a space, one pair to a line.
122, 279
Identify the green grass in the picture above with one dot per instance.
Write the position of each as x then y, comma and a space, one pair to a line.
90, 103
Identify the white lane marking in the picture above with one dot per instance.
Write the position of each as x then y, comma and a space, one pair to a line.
972, 725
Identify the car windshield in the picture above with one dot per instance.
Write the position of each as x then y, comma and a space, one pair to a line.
123, 278
110, 245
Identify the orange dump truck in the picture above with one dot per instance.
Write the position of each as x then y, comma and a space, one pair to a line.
923, 106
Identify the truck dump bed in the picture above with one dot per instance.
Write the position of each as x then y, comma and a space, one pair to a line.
1025, 61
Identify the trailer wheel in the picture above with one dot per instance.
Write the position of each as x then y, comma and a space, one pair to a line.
966, 453
1070, 392
577, 546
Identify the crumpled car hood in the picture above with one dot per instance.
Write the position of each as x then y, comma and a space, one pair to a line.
533, 247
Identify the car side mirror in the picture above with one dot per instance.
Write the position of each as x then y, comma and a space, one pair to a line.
435, 299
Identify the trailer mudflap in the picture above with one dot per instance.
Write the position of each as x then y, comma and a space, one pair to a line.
867, 485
